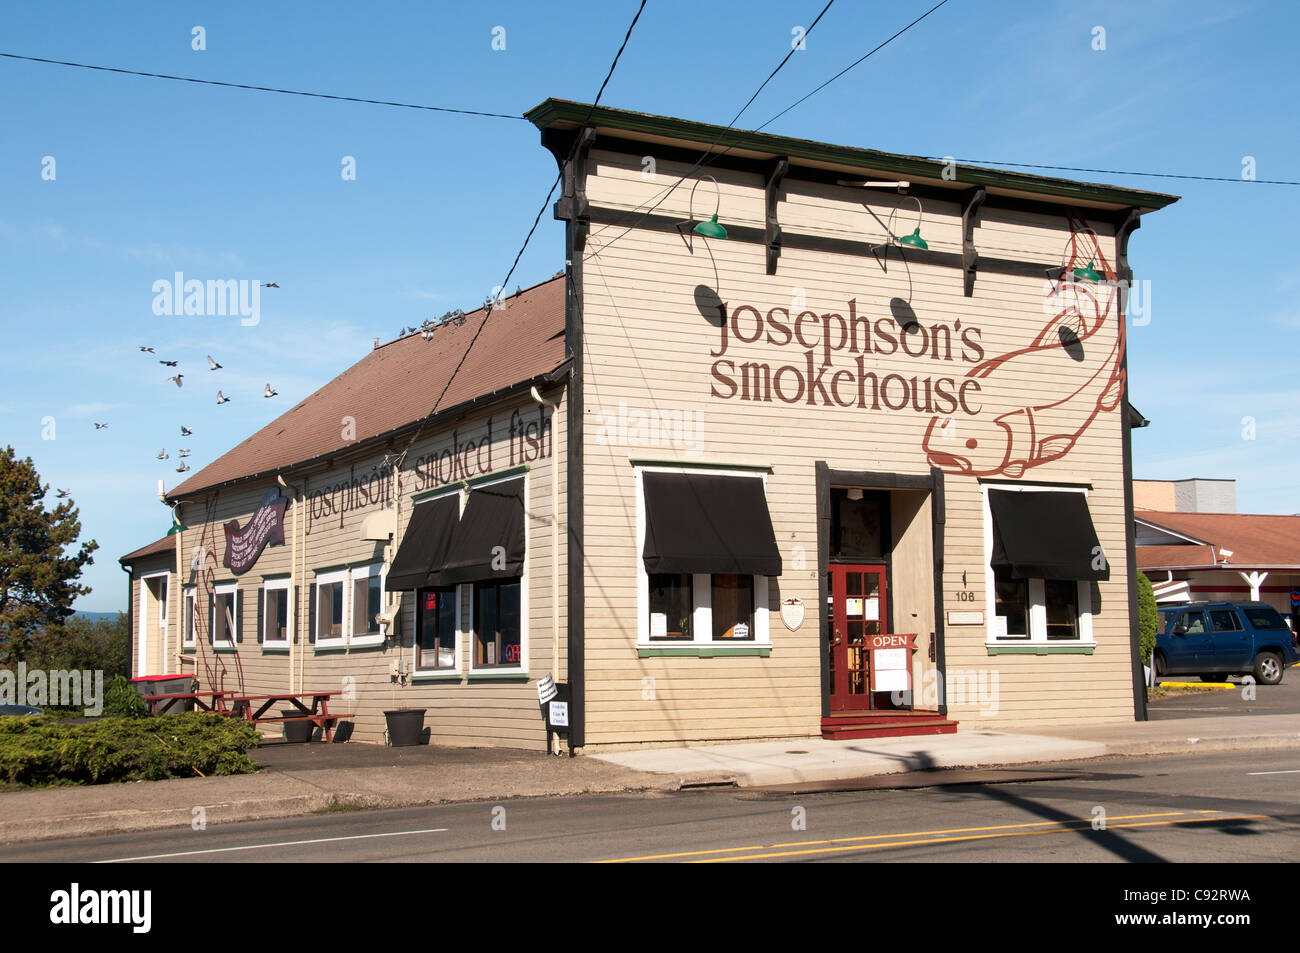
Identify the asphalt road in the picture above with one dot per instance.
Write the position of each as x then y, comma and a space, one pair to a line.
1242, 806
1280, 699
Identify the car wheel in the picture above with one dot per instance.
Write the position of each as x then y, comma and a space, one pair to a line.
1158, 663
1268, 668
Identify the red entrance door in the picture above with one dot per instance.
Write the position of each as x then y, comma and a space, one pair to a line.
858, 610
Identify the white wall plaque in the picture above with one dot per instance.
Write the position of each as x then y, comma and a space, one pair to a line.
965, 617
792, 612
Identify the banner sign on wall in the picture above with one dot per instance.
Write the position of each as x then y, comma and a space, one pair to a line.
264, 528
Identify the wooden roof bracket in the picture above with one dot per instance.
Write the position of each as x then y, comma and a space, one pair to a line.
772, 233
572, 204
1131, 222
970, 207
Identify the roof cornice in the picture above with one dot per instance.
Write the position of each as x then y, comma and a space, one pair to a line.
565, 114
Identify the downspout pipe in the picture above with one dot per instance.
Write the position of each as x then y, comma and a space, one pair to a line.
130, 619
1131, 222
570, 150
295, 653
555, 533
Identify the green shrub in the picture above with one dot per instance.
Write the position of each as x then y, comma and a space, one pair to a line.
43, 751
1148, 618
121, 700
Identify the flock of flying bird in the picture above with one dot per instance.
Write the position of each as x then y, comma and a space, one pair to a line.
179, 380
426, 330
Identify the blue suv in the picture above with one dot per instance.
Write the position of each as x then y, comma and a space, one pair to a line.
1218, 639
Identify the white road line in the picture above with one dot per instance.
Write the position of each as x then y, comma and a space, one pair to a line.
288, 843
1251, 773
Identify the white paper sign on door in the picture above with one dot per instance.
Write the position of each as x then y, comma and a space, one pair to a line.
871, 609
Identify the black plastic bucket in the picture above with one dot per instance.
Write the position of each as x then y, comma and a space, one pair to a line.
405, 726
296, 730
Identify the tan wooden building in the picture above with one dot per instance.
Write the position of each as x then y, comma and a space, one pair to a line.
852, 459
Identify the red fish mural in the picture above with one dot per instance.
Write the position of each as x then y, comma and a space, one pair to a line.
1070, 348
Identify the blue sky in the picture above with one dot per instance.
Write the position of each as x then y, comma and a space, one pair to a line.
155, 177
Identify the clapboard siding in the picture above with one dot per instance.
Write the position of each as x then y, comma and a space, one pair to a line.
498, 712
650, 355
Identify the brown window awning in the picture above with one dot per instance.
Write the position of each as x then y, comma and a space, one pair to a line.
1047, 535
420, 558
706, 523
489, 540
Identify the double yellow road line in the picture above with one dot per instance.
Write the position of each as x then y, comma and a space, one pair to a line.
949, 836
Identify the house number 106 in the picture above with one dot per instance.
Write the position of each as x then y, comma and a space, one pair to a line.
965, 595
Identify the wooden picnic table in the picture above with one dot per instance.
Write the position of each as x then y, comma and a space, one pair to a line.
318, 714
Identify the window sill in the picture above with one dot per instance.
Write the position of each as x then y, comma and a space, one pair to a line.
275, 649
705, 650
511, 675
1040, 648
365, 641
330, 647
436, 677
225, 649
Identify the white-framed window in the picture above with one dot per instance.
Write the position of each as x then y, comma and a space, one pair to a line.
698, 608
223, 615
1033, 611
331, 608
438, 630
151, 623
276, 622
498, 633
187, 618
366, 604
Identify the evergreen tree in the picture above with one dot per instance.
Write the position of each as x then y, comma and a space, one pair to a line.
1148, 618
38, 580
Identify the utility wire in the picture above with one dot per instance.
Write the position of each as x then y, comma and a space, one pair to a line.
490, 305
264, 89
704, 158
1072, 168
852, 65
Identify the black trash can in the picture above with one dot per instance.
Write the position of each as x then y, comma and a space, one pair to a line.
296, 730
405, 726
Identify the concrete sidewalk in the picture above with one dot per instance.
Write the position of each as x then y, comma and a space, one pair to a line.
765, 764
300, 779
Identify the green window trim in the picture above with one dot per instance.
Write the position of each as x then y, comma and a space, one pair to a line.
498, 677
701, 465
519, 470
275, 650
436, 677
1023, 649
223, 650
704, 651
327, 649
445, 490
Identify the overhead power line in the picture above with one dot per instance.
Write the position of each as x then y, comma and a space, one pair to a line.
527, 238
708, 155
877, 49
265, 89
1073, 168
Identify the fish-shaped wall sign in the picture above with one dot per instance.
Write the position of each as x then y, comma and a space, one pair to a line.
1070, 348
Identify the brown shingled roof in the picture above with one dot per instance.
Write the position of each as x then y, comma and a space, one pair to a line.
397, 384
1256, 541
157, 547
